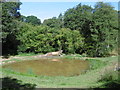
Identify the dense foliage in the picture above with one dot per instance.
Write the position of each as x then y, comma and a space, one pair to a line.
9, 27
99, 27
55, 22
43, 39
82, 30
31, 19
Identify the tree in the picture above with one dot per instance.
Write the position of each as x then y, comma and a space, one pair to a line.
61, 20
105, 28
9, 27
80, 18
97, 25
55, 22
32, 19
52, 22
76, 17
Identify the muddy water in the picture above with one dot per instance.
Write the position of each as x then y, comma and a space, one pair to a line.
50, 67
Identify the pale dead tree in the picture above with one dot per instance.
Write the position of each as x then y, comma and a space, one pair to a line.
57, 53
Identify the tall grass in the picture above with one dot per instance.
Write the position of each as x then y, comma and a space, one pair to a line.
95, 64
110, 79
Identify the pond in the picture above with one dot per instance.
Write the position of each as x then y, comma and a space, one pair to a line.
50, 67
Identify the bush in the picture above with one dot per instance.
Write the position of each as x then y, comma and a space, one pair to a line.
110, 79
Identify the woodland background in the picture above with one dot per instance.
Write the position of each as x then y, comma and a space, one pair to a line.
81, 30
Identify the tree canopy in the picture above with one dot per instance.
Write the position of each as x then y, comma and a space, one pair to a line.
97, 25
31, 19
10, 14
55, 22
82, 29
43, 39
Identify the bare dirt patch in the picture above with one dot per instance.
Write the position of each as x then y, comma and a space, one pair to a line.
3, 60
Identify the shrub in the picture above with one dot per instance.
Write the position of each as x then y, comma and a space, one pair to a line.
110, 79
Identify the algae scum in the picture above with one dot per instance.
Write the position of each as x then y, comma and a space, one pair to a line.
50, 67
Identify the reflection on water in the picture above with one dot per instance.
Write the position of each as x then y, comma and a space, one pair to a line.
50, 67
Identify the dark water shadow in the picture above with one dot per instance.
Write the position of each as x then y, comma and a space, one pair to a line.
9, 83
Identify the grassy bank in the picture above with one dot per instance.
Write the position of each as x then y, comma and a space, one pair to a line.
94, 77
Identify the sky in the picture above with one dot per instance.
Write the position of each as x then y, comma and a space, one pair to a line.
46, 10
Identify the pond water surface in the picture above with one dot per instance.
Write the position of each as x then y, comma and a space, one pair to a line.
50, 67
